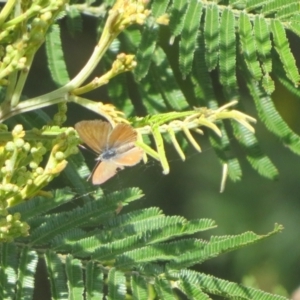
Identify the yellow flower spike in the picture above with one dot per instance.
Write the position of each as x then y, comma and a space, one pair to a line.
191, 138
123, 63
224, 177
159, 142
124, 13
175, 143
148, 150
108, 111
239, 117
198, 130
212, 126
140, 139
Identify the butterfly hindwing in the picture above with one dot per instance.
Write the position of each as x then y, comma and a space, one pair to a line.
129, 158
104, 171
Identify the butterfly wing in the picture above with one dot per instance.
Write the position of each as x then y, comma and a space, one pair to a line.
104, 171
121, 135
95, 134
129, 158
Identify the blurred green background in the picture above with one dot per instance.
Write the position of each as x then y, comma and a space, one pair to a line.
192, 187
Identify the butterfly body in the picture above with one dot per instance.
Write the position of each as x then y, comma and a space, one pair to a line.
115, 147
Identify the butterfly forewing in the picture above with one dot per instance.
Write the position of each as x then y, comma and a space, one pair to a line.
121, 135
94, 134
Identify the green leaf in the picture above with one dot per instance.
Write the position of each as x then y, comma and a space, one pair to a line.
212, 36
248, 46
94, 281
57, 276
139, 287
26, 271
145, 50
223, 288
8, 270
189, 34
164, 289
74, 20
74, 273
192, 291
56, 61
116, 285
272, 119
228, 51
40, 205
283, 49
258, 160
177, 16
165, 83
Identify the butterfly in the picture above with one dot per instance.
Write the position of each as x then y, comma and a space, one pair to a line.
115, 147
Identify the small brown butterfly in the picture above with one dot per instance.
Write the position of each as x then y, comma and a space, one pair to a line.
115, 147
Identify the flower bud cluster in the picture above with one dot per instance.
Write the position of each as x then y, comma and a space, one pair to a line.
127, 12
123, 63
33, 22
23, 172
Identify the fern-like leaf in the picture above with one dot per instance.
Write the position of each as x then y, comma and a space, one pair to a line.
27, 267
55, 56
228, 51
75, 278
284, 51
94, 281
116, 285
189, 36
212, 36
177, 16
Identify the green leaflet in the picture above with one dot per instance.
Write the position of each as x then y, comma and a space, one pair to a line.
74, 272
163, 80
56, 275
228, 51
26, 270
205, 93
56, 62
263, 47
189, 36
258, 160
248, 46
159, 7
213, 285
145, 50
116, 285
74, 20
270, 116
94, 281
254, 4
149, 40
278, 5
118, 91
40, 205
139, 287
212, 36
283, 49
193, 291
164, 289
177, 16
285, 12
8, 263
